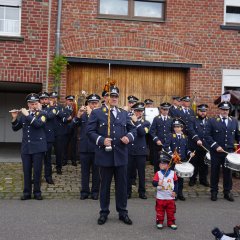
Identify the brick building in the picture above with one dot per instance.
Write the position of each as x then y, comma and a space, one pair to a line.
153, 49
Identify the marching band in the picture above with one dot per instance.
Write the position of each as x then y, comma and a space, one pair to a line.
117, 142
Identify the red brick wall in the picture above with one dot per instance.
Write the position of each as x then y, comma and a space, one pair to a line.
191, 34
26, 61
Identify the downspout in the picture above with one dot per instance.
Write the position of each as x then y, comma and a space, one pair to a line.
48, 42
59, 15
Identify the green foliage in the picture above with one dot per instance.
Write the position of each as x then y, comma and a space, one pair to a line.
57, 67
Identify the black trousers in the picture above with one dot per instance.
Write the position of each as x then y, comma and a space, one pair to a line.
200, 168
136, 162
70, 140
59, 148
30, 161
48, 162
120, 176
88, 165
218, 160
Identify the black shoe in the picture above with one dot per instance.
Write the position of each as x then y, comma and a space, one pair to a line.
64, 164
217, 233
49, 181
129, 196
125, 219
102, 219
229, 197
83, 197
192, 183
74, 164
205, 183
94, 197
39, 197
181, 197
142, 196
59, 171
214, 196
25, 197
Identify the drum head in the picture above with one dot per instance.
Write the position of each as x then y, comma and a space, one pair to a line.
233, 158
184, 167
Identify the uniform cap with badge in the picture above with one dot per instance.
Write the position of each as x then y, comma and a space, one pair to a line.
202, 107
165, 105
43, 95
225, 105
185, 99
114, 91
70, 97
132, 99
178, 122
32, 97
53, 94
104, 93
139, 106
148, 101
164, 158
93, 98
177, 98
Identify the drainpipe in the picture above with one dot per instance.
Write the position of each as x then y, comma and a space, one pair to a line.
57, 49
48, 42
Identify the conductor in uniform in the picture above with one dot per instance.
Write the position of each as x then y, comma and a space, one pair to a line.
221, 133
112, 162
34, 144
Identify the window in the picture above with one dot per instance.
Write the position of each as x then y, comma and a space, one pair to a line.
133, 9
10, 17
232, 12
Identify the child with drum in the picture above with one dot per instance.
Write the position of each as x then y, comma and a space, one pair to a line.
177, 142
166, 182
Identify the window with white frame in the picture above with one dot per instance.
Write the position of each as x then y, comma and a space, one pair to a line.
152, 10
232, 12
10, 17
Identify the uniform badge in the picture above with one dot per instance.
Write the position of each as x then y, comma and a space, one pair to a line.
174, 135
43, 118
37, 113
146, 129
54, 111
104, 109
218, 119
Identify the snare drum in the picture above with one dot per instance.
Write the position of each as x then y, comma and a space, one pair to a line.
232, 161
207, 159
184, 170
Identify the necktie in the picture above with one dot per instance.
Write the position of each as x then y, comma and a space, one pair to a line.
224, 121
113, 112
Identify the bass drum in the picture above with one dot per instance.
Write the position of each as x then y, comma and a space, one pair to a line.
184, 170
232, 161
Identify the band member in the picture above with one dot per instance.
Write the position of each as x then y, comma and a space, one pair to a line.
148, 103
137, 150
87, 149
221, 133
198, 143
159, 130
34, 144
70, 138
105, 97
131, 101
185, 112
174, 109
50, 112
114, 162
178, 142
61, 119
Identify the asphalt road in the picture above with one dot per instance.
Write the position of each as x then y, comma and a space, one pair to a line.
77, 220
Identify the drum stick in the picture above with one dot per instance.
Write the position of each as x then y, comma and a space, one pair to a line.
225, 152
191, 157
204, 148
237, 150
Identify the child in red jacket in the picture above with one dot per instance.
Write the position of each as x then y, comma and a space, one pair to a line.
166, 182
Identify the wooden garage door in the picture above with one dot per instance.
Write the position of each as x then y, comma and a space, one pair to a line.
159, 84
